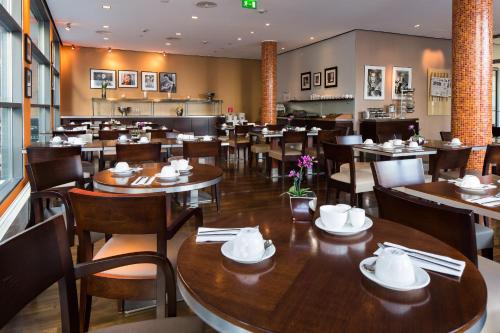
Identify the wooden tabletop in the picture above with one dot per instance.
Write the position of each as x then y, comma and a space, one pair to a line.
313, 283
278, 134
449, 194
201, 176
396, 152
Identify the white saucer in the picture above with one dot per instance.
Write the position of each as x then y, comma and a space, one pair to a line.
227, 250
422, 278
171, 179
484, 187
346, 230
126, 172
189, 168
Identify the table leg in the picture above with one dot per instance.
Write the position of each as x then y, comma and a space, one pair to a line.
274, 172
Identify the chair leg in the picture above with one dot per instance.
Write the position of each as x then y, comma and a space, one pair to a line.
328, 190
85, 307
487, 253
283, 167
354, 199
360, 200
216, 188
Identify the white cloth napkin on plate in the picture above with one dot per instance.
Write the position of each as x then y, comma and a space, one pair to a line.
430, 261
489, 201
216, 234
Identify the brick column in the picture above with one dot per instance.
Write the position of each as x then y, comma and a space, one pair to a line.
268, 81
472, 46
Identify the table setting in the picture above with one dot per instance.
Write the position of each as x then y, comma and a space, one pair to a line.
472, 183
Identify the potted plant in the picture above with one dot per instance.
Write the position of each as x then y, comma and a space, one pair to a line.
416, 137
104, 87
302, 200
179, 110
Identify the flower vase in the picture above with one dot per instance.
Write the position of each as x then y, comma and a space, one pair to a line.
303, 208
103, 93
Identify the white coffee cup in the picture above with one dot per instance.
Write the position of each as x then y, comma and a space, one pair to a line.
56, 139
265, 130
368, 142
182, 164
106, 128
395, 267
169, 172
122, 167
164, 127
207, 138
60, 128
248, 244
413, 144
388, 144
334, 217
470, 181
357, 217
456, 142
397, 142
122, 138
224, 125
144, 139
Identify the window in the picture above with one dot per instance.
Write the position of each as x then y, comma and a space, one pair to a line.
494, 102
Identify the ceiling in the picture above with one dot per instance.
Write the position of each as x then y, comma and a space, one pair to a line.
144, 25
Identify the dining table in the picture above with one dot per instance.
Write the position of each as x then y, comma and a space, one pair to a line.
448, 193
313, 282
396, 152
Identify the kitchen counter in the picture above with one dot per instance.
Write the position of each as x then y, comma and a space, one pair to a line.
323, 123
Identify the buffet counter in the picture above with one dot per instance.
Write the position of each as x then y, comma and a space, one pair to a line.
372, 128
323, 123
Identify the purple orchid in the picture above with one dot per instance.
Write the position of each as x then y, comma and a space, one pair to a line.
305, 161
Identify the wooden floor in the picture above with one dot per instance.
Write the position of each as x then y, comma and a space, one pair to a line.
243, 189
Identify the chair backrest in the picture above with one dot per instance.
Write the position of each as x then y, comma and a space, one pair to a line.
294, 137
451, 225
125, 214
343, 130
274, 127
396, 173
171, 135
32, 261
328, 136
386, 137
241, 130
158, 133
47, 174
68, 134
43, 154
197, 149
349, 139
336, 155
111, 134
141, 152
492, 157
455, 158
446, 136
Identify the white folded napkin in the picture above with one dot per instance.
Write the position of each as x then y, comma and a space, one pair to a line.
430, 261
490, 201
216, 234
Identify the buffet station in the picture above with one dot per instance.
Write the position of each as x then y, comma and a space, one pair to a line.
378, 122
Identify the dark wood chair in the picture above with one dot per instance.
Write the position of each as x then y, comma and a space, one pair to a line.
274, 127
446, 136
68, 134
111, 134
491, 162
397, 173
239, 139
194, 150
386, 137
448, 159
323, 136
158, 133
138, 153
353, 181
343, 130
52, 180
39, 257
451, 225
353, 140
138, 223
349, 139
43, 154
292, 146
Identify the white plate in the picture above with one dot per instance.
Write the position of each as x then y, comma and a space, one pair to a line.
126, 172
189, 168
422, 278
484, 187
346, 230
227, 251
171, 179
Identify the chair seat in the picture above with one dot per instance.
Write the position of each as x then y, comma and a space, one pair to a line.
223, 138
276, 153
241, 141
361, 166
189, 324
364, 180
120, 244
484, 237
311, 151
490, 271
260, 148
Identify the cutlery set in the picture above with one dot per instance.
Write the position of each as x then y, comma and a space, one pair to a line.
143, 181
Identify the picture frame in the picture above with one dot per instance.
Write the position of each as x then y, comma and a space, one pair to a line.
401, 79
149, 81
374, 86
98, 76
168, 82
317, 79
331, 77
28, 89
28, 49
128, 79
305, 81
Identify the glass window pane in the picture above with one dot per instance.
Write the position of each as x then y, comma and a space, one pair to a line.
5, 66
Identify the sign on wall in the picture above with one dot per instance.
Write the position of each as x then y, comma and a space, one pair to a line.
249, 4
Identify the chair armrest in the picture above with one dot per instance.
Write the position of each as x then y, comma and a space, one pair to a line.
182, 218
52, 194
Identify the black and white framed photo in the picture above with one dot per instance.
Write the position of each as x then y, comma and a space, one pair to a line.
127, 79
374, 88
27, 49
331, 77
27, 82
168, 82
305, 81
317, 79
401, 80
149, 81
100, 76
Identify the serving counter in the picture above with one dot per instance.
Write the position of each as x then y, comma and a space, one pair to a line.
372, 128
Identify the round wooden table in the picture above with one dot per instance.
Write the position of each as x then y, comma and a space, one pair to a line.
201, 176
313, 283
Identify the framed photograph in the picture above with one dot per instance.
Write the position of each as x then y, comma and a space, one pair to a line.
168, 82
331, 77
401, 79
127, 79
149, 81
27, 49
317, 79
99, 76
305, 81
27, 82
374, 88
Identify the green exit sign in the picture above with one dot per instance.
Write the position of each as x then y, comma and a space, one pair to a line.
249, 4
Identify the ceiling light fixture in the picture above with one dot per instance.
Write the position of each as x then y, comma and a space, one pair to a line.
239, 38
168, 44
110, 49
268, 24
205, 42
178, 34
106, 7
105, 26
416, 26
206, 4
164, 53
252, 32
68, 26
72, 47
194, 17
311, 38
105, 38
282, 48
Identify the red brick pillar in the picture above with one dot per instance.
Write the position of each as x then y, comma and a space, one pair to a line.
472, 46
269, 81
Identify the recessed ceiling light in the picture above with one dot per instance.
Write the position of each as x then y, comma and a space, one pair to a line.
205, 42
106, 38
178, 34
72, 47
239, 38
311, 38
268, 24
105, 26
416, 26
168, 44
68, 26
282, 48
106, 7
194, 17
252, 32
